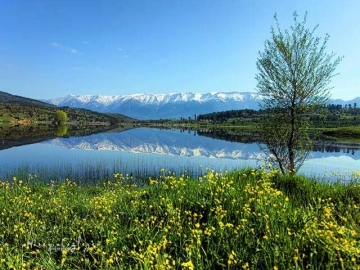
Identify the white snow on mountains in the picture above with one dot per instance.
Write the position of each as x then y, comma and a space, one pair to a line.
173, 105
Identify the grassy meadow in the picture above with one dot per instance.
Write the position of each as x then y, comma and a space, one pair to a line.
240, 220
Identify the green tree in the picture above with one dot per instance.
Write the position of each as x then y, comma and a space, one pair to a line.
61, 117
294, 72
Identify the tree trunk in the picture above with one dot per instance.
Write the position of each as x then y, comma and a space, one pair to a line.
291, 149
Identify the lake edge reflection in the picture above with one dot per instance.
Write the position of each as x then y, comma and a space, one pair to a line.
148, 150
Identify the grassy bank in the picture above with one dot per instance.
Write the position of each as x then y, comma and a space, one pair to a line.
343, 132
242, 220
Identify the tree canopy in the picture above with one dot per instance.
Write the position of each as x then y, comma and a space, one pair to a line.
294, 72
61, 117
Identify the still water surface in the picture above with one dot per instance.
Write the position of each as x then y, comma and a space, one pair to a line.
144, 151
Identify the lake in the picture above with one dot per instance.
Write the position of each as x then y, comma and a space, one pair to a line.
143, 152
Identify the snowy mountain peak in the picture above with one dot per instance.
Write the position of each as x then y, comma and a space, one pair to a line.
153, 98
169, 105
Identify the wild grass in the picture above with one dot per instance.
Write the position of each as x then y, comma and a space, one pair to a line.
88, 172
247, 219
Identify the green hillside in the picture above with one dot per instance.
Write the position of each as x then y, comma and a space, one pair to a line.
13, 99
20, 110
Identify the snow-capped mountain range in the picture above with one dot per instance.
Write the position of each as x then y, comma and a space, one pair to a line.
155, 106
173, 105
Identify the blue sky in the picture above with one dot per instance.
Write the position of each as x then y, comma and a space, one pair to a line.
52, 48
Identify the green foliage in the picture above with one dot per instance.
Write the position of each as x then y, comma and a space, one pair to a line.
287, 144
5, 118
61, 117
238, 220
304, 192
222, 116
294, 74
47, 115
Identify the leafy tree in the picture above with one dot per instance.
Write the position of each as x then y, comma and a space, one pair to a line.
294, 72
61, 117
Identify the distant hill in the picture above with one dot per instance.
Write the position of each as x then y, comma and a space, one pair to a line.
346, 102
17, 109
174, 105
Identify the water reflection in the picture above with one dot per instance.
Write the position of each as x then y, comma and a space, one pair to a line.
62, 130
144, 151
192, 143
164, 142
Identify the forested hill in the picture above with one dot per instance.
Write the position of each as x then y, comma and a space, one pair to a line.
16, 109
330, 115
14, 99
232, 114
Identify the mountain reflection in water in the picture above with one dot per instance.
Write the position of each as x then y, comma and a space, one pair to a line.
191, 144
148, 150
